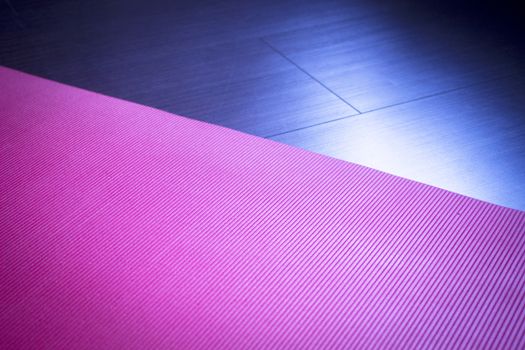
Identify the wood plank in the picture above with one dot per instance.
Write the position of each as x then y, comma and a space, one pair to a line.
469, 141
203, 59
394, 57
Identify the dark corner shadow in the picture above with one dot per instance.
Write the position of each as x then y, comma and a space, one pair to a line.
504, 18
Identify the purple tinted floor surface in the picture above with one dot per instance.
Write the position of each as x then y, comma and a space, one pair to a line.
123, 226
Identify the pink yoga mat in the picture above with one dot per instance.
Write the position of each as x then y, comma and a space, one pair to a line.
125, 227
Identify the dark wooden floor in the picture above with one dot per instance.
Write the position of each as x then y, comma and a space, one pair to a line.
429, 92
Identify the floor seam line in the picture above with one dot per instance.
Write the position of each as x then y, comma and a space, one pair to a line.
309, 75
391, 105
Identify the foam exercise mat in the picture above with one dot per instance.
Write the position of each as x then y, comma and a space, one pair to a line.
125, 227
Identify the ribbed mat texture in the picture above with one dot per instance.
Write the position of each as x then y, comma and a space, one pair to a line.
125, 227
